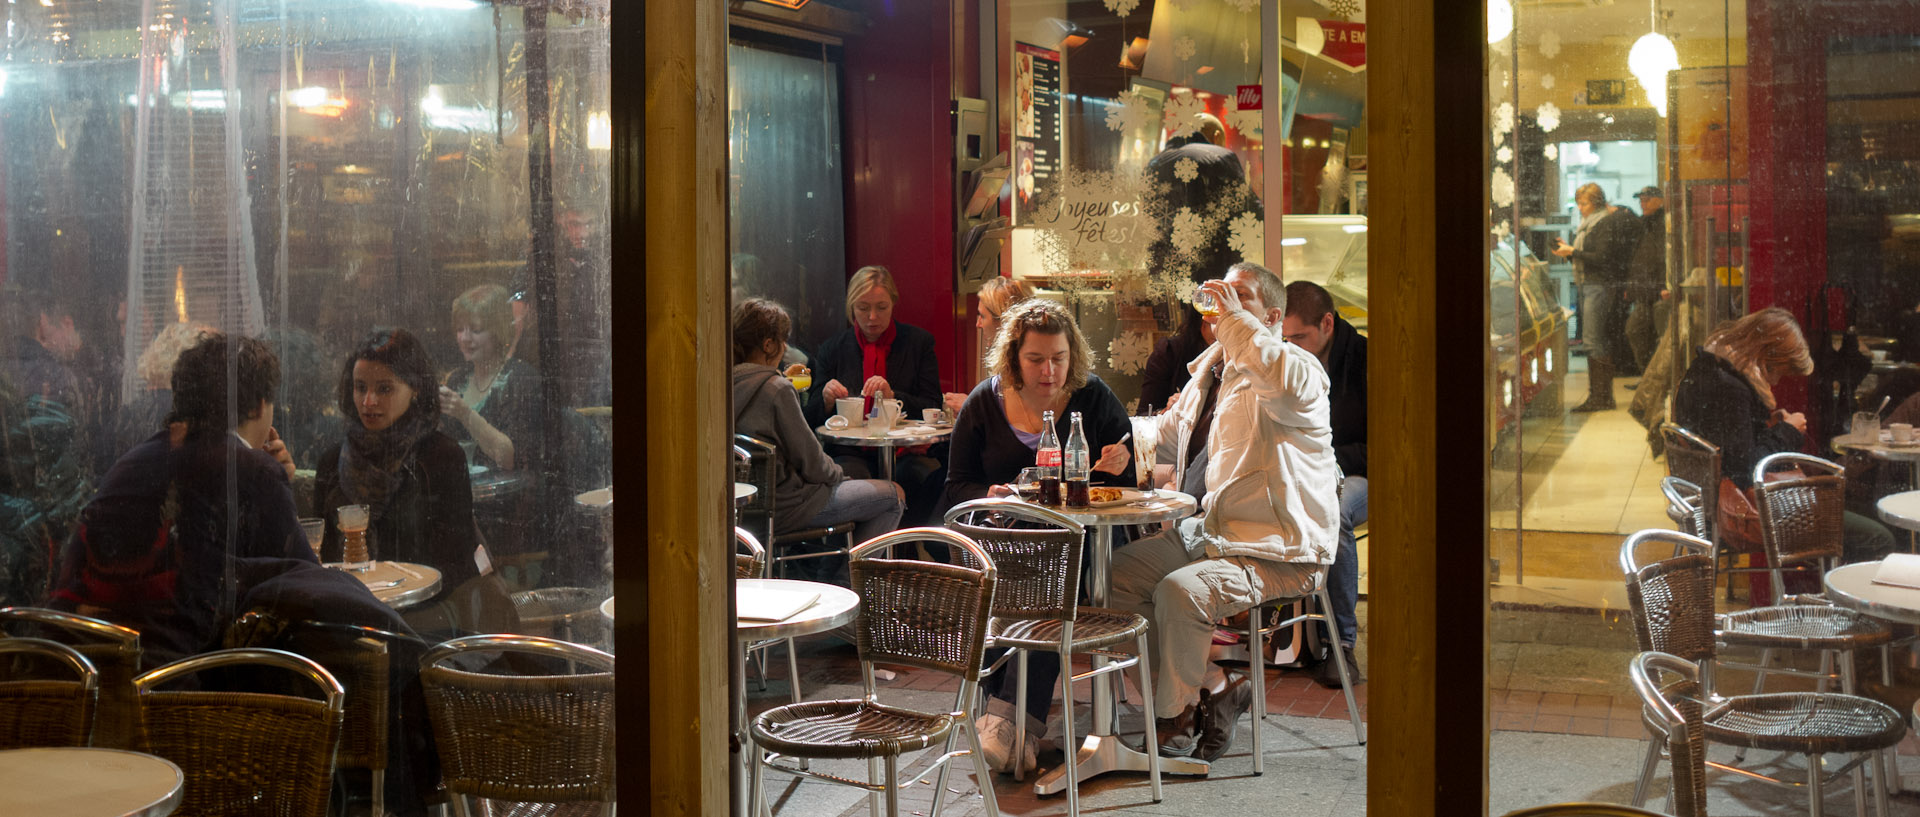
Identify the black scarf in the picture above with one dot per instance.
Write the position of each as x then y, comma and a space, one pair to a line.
371, 461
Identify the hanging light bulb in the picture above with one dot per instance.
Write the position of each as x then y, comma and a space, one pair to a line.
1651, 59
1499, 20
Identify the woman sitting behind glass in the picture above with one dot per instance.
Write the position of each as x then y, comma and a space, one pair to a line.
996, 297
1039, 362
411, 476
492, 399
1727, 398
809, 488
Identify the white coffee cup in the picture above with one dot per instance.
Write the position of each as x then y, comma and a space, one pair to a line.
931, 416
852, 408
1902, 432
1879, 355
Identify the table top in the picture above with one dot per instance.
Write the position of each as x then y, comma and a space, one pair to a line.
489, 484
1884, 449
606, 608
902, 435
599, 499
1852, 586
81, 782
399, 584
1901, 510
1165, 506
743, 493
836, 606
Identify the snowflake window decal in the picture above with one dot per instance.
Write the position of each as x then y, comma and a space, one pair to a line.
1187, 231
1550, 44
1502, 188
1184, 48
1343, 9
1247, 121
1182, 115
1130, 111
1503, 119
1552, 152
1244, 6
1246, 234
1549, 116
1122, 7
1129, 352
1546, 80
1503, 155
1186, 170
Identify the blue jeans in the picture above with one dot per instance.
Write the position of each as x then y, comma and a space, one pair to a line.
1602, 315
1343, 579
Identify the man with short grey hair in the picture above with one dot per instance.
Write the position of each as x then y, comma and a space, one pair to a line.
1254, 422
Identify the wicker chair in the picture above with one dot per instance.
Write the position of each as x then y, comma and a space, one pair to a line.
1035, 607
1676, 707
1692, 459
564, 613
523, 739
114, 651
1583, 810
1688, 507
39, 711
363, 662
1672, 603
245, 753
918, 614
757, 515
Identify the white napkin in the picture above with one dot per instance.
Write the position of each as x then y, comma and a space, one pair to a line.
914, 431
773, 604
1899, 570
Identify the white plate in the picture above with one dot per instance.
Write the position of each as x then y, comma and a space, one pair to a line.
1128, 496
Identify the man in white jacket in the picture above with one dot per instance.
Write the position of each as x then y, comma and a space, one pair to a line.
1269, 514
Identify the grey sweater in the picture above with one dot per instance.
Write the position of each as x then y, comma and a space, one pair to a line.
765, 406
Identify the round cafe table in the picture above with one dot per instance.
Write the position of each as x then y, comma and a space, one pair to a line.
743, 493
400, 584
82, 782
1852, 586
904, 435
1884, 449
1103, 751
835, 606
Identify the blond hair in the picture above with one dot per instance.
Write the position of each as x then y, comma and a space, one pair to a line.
155, 365
864, 280
1763, 346
1046, 317
1591, 194
1000, 293
488, 306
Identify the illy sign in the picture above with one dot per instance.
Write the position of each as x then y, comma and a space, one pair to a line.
1247, 97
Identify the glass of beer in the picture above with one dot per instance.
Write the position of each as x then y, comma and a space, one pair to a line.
315, 530
353, 520
1204, 303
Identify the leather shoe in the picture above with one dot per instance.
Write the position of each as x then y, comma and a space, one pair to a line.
1592, 405
1328, 675
1220, 717
1174, 736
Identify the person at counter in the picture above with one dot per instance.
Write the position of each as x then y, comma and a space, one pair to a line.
492, 400
877, 357
1727, 398
411, 476
809, 489
1602, 251
1039, 362
1271, 527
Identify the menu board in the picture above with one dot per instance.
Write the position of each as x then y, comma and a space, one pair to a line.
1037, 122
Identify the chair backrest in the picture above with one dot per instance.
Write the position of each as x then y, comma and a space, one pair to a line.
1038, 563
922, 614
757, 514
1802, 518
245, 753
566, 613
1687, 506
1691, 457
39, 711
1671, 599
753, 563
115, 653
523, 738
1676, 707
361, 658
1584, 810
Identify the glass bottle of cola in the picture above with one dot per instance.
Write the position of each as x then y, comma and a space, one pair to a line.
1047, 459
1079, 466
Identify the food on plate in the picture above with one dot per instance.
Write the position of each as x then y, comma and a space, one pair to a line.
1104, 494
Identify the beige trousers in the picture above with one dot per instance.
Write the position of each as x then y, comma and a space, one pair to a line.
1182, 591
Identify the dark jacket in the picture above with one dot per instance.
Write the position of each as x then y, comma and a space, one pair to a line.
511, 405
43, 487
428, 520
1166, 373
1606, 255
1217, 193
1347, 394
1648, 270
986, 452
1716, 402
912, 370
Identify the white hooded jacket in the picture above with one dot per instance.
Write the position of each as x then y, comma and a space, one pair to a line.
1271, 475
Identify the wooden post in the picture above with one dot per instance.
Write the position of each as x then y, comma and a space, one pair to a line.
673, 567
1426, 87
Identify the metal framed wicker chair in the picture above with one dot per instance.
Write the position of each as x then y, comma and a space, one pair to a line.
524, 739
1688, 507
1036, 607
362, 660
245, 753
918, 614
566, 613
1583, 810
753, 565
1692, 459
114, 651
757, 514
1672, 603
1676, 707
39, 711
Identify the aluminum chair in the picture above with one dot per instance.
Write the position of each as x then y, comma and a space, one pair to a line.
361, 658
919, 614
525, 739
1583, 810
245, 753
1676, 710
1672, 603
38, 711
1256, 652
754, 565
1036, 607
114, 651
758, 514
1692, 459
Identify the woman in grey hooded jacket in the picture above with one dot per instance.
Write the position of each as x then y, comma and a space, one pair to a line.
809, 489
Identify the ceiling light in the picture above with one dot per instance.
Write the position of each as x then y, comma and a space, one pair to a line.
1499, 20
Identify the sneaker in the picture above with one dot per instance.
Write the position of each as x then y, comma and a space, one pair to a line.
1328, 675
996, 743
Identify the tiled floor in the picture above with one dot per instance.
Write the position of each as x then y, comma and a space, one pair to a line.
1585, 473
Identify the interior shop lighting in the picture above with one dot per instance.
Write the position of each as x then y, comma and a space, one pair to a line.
786, 4
599, 131
1651, 58
1499, 20
1292, 242
443, 5
1066, 33
1351, 229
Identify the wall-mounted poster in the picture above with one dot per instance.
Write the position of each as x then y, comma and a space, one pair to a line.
1036, 122
1711, 133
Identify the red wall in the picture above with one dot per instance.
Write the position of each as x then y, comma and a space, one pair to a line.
899, 150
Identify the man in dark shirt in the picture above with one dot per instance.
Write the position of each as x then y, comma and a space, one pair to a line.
1311, 324
1648, 277
1601, 252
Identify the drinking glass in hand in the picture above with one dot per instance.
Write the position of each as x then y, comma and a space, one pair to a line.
315, 529
353, 520
1204, 303
1027, 485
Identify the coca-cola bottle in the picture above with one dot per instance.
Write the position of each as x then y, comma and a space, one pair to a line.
1078, 466
1047, 459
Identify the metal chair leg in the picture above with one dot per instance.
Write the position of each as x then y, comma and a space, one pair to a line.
1151, 740
756, 799
1020, 714
1066, 717
1647, 767
981, 775
893, 786
1257, 665
1340, 663
1816, 799
379, 793
873, 778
